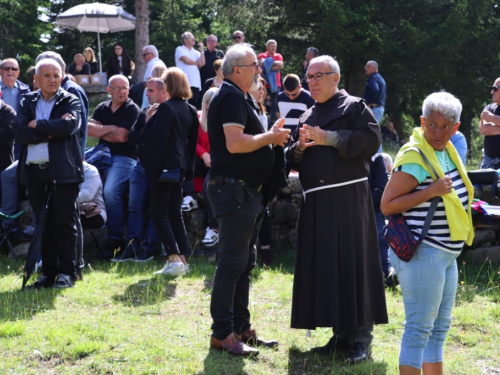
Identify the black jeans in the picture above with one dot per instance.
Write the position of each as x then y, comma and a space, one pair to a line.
59, 238
166, 201
239, 211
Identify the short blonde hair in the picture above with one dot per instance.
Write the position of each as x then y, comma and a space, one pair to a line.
176, 83
158, 70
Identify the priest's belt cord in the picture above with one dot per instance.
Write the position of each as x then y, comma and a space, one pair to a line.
333, 186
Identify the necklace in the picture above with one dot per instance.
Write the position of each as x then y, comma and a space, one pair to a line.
447, 172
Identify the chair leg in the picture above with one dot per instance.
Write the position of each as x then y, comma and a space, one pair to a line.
97, 246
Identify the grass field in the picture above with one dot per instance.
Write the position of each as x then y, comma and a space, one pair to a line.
123, 320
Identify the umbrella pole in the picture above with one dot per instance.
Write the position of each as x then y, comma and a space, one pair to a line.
99, 48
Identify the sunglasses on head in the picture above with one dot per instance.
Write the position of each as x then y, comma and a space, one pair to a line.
494, 88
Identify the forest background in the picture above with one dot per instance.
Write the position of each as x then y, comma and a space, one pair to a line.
422, 46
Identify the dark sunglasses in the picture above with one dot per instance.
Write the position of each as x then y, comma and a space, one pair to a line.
495, 89
7, 68
147, 53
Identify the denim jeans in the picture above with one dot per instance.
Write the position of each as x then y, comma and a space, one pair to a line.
239, 212
117, 182
487, 162
137, 198
429, 284
378, 113
273, 108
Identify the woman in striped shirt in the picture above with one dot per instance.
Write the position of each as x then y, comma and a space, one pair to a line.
429, 280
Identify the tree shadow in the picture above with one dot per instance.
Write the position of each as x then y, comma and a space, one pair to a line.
147, 292
221, 363
307, 362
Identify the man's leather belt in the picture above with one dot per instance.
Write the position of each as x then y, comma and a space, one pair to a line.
41, 165
373, 105
233, 181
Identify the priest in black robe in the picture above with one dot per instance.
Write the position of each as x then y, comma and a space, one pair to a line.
338, 279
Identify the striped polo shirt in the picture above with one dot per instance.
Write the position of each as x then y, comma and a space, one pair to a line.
439, 231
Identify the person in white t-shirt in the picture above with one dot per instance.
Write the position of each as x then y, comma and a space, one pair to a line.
190, 61
150, 56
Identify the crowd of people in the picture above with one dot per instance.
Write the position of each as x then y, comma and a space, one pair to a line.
251, 130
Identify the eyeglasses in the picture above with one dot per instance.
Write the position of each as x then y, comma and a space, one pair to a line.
7, 68
145, 54
254, 65
495, 88
237, 37
119, 88
292, 95
317, 76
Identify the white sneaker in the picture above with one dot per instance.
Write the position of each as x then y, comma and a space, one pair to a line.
211, 238
172, 269
189, 203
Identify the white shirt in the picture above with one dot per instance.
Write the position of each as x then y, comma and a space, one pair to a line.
192, 71
150, 65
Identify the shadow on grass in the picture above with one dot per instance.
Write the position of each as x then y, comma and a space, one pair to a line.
220, 363
147, 292
307, 362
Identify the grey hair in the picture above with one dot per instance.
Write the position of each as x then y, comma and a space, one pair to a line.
271, 41
150, 48
186, 35
207, 98
233, 57
334, 65
213, 36
443, 103
373, 63
314, 50
45, 62
116, 76
54, 56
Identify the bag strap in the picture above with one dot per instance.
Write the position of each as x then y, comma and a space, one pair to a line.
435, 200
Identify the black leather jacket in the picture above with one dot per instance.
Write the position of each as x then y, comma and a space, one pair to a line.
65, 155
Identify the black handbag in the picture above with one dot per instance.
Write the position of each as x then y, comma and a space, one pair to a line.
170, 175
397, 233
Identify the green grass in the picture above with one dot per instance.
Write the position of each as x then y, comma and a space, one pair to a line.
123, 320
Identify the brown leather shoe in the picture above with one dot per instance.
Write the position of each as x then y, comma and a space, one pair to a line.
249, 337
233, 345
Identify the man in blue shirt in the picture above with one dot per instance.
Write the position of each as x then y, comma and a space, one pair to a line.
374, 90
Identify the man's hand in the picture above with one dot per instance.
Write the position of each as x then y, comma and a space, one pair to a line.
151, 111
311, 136
206, 159
487, 116
281, 135
95, 122
66, 116
32, 124
200, 44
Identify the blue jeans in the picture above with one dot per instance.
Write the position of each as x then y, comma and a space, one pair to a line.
138, 196
273, 108
378, 113
429, 284
488, 162
117, 182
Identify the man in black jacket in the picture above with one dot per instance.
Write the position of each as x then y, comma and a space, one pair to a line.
7, 115
47, 126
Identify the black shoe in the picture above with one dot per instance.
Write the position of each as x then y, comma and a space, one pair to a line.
44, 282
360, 352
128, 255
266, 257
64, 281
334, 345
144, 256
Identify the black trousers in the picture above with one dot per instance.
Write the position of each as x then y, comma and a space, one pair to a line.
60, 234
166, 201
239, 211
195, 100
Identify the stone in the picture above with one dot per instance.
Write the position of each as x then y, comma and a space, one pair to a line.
21, 250
280, 237
294, 186
484, 238
483, 254
285, 212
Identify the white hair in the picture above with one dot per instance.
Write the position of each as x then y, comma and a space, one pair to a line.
271, 41
334, 65
443, 103
54, 56
150, 48
233, 57
45, 62
373, 63
116, 76
207, 98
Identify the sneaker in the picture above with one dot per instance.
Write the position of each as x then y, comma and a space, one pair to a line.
127, 255
27, 233
173, 269
144, 256
211, 238
189, 203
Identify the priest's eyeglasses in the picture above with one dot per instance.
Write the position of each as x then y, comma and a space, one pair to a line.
317, 76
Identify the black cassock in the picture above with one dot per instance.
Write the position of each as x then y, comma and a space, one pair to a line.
338, 276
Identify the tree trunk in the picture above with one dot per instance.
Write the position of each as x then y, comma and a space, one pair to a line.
141, 37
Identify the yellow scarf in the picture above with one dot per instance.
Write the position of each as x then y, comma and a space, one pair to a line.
460, 222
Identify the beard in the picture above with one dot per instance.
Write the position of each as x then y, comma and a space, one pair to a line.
255, 83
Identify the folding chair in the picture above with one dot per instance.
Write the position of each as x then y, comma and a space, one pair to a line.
97, 243
5, 232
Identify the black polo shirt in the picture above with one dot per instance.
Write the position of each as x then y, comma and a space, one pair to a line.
231, 106
123, 117
492, 142
207, 71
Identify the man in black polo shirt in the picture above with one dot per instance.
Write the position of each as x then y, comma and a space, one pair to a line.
242, 161
489, 126
111, 122
211, 54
